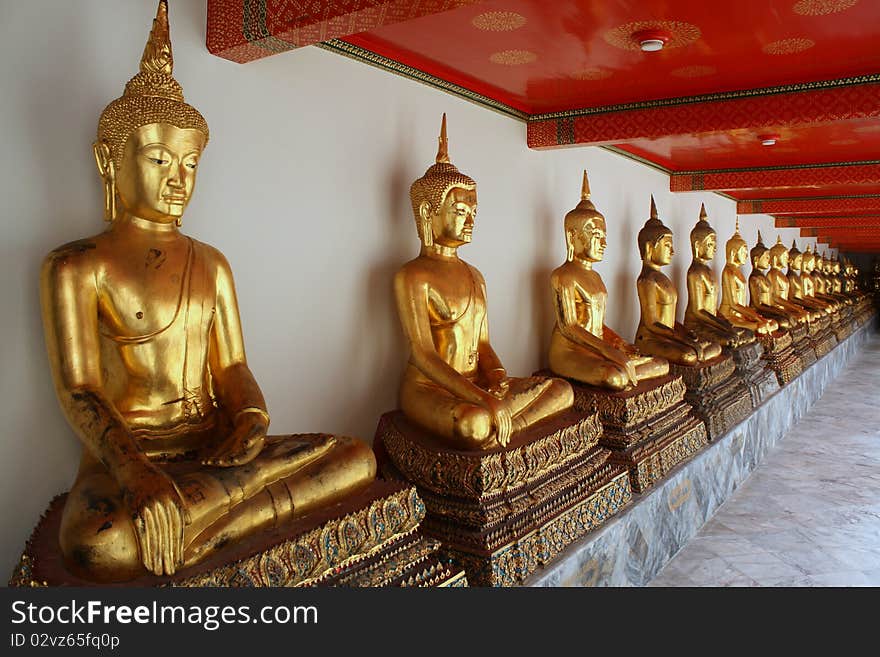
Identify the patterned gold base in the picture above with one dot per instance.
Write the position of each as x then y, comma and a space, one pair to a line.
822, 337
513, 563
803, 346
718, 394
780, 356
755, 372
498, 507
650, 429
370, 539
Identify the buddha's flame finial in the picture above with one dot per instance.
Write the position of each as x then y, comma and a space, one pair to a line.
443, 148
653, 208
585, 188
793, 244
760, 240
157, 57
703, 214
736, 229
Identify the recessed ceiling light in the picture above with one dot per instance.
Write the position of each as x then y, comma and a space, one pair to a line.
768, 140
652, 40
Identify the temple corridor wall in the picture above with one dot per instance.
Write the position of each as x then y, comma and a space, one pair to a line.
305, 188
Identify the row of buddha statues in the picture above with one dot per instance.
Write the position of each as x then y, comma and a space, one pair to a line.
478, 476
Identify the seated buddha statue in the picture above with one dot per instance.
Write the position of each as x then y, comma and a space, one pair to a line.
812, 280
796, 283
146, 349
658, 333
734, 305
582, 347
454, 384
760, 290
701, 314
779, 285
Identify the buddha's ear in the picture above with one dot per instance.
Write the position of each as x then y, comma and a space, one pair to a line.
426, 223
106, 166
107, 170
569, 244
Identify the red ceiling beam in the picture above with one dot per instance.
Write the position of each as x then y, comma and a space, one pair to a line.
746, 179
752, 111
820, 222
847, 206
245, 30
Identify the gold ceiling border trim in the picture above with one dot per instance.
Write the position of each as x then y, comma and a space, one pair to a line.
708, 98
635, 158
351, 51
779, 167
774, 199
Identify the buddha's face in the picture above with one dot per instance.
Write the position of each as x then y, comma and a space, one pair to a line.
807, 264
158, 171
706, 248
453, 223
588, 239
762, 260
780, 259
797, 261
661, 252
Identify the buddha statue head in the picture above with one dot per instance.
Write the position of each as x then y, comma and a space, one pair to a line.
655, 240
795, 257
703, 238
149, 140
778, 255
444, 201
760, 254
736, 249
809, 261
585, 229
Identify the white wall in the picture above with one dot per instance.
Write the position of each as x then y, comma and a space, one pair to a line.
304, 187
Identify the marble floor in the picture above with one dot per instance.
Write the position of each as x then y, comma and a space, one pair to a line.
809, 515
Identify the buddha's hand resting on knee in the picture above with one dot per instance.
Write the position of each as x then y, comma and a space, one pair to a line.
158, 514
243, 444
501, 419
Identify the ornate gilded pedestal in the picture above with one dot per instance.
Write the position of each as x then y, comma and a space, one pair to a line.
803, 346
755, 372
821, 336
719, 396
370, 539
649, 429
780, 355
505, 512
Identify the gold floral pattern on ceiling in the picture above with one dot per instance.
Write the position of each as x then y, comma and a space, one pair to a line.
499, 21
822, 7
682, 34
513, 57
695, 71
592, 73
788, 46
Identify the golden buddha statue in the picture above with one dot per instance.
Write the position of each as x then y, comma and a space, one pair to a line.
734, 305
796, 283
455, 385
812, 280
779, 285
145, 344
761, 291
658, 333
582, 346
701, 314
